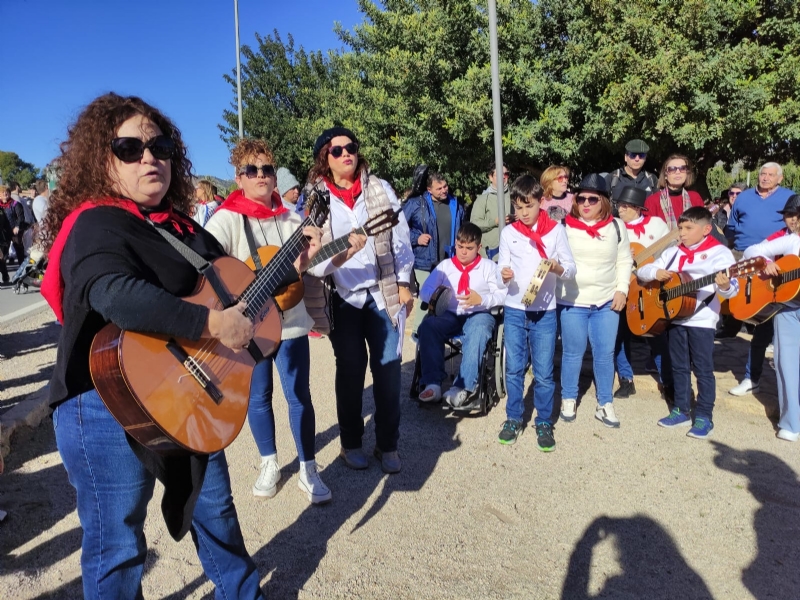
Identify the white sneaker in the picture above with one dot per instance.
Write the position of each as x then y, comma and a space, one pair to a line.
607, 415
568, 410
311, 483
458, 399
785, 434
267, 483
745, 387
431, 393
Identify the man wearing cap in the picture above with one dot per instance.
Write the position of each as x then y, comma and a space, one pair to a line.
288, 187
633, 173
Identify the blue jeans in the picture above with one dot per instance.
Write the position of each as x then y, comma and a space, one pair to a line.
692, 350
530, 334
293, 363
598, 325
762, 337
114, 489
658, 350
355, 330
433, 331
787, 361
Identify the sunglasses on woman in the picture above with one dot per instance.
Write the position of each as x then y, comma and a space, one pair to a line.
130, 149
731, 193
681, 169
337, 151
592, 200
251, 171
562, 178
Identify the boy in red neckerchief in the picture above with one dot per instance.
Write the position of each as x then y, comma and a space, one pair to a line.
691, 339
476, 287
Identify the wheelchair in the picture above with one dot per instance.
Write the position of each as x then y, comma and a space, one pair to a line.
491, 372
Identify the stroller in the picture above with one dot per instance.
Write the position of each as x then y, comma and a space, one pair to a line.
30, 273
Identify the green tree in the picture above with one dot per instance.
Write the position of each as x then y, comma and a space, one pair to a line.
13, 168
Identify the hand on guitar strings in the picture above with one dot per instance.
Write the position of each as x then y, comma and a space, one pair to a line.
618, 302
663, 275
314, 238
230, 327
357, 243
469, 300
771, 270
723, 281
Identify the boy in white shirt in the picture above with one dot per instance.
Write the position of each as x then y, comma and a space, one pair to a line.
691, 339
476, 287
530, 331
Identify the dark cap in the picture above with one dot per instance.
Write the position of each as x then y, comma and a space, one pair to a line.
792, 205
632, 195
594, 183
637, 146
331, 133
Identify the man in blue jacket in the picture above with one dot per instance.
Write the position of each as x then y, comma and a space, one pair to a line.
433, 217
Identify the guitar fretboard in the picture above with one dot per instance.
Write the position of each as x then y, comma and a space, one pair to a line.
333, 248
787, 276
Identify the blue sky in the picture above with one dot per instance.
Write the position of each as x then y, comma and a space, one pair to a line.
57, 55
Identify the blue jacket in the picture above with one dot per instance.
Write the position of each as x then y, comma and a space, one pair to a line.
419, 212
753, 218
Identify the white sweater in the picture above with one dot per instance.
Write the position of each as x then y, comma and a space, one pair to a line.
772, 249
519, 254
228, 228
484, 279
603, 266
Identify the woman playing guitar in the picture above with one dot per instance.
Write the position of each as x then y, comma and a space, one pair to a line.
125, 174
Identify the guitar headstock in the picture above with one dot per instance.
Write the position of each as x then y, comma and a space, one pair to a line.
381, 222
747, 267
318, 205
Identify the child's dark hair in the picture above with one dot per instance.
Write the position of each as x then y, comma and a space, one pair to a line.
468, 233
526, 189
696, 214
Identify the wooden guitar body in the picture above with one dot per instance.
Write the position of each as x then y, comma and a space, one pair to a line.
648, 311
286, 297
761, 297
636, 250
177, 395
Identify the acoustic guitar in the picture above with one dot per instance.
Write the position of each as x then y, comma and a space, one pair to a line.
176, 395
645, 255
290, 296
651, 306
760, 297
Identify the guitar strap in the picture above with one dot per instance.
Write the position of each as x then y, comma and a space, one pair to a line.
251, 244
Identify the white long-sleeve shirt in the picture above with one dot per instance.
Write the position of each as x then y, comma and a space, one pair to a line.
710, 261
520, 254
771, 249
359, 276
654, 230
484, 279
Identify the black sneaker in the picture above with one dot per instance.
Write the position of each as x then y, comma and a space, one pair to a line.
626, 388
510, 432
544, 437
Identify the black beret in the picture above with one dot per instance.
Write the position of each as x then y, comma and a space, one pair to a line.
331, 133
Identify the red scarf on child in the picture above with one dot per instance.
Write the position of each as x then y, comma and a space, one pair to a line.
592, 230
544, 225
463, 282
688, 254
778, 234
346, 196
239, 203
638, 229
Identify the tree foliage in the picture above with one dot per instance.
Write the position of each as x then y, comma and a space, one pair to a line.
13, 168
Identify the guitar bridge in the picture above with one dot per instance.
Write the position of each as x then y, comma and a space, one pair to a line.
195, 370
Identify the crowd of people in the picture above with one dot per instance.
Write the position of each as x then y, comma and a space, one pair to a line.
126, 187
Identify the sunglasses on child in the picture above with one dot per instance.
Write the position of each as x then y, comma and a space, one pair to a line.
130, 149
251, 171
337, 151
592, 200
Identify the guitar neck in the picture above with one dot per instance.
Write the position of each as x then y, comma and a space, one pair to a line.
788, 276
335, 247
658, 247
692, 286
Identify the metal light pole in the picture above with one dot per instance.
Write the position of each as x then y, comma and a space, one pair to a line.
498, 125
238, 68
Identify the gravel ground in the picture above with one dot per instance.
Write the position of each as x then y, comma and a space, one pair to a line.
639, 512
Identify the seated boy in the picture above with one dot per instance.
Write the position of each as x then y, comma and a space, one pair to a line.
530, 331
691, 339
476, 287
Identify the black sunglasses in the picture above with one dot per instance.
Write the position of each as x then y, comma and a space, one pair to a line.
592, 200
251, 171
131, 149
635, 155
337, 151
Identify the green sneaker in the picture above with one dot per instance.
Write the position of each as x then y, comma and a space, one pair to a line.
544, 437
510, 432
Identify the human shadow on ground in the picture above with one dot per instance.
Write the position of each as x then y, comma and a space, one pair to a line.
18, 343
774, 572
293, 555
650, 564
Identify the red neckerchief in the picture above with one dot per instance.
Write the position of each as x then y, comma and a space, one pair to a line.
239, 203
638, 229
52, 287
346, 196
688, 254
6, 205
544, 225
463, 281
592, 230
778, 234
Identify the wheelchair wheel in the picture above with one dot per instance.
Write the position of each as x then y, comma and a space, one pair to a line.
500, 363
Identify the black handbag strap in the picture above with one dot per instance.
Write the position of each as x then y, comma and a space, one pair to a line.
251, 244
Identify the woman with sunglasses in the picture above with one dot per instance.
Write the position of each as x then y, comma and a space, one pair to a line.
557, 200
257, 206
672, 197
124, 176
372, 296
589, 305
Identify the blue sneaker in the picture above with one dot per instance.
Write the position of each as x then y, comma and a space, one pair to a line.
675, 419
701, 429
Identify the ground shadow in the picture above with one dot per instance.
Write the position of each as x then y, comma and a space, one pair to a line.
18, 343
774, 572
650, 564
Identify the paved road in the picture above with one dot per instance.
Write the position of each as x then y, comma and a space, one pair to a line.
11, 303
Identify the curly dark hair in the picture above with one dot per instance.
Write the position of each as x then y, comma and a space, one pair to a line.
86, 156
322, 169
